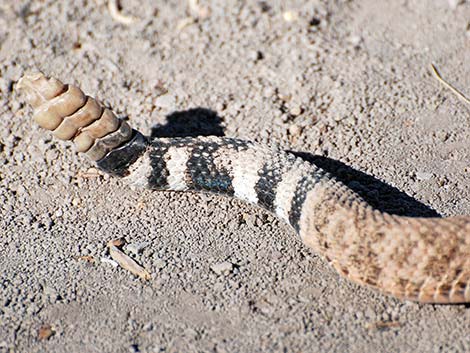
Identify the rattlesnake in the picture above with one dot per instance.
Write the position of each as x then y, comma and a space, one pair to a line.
420, 259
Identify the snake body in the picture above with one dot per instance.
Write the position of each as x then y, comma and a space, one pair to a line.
419, 259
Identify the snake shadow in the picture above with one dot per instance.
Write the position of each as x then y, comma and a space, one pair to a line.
380, 195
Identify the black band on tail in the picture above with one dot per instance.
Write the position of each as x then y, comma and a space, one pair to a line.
117, 161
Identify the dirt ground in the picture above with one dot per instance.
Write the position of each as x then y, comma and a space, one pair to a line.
347, 81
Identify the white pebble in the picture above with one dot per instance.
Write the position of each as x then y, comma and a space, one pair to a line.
159, 263
295, 110
290, 16
105, 260
454, 3
355, 40
222, 268
137, 247
423, 176
295, 130
167, 101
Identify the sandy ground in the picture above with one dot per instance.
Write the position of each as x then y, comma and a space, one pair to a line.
347, 81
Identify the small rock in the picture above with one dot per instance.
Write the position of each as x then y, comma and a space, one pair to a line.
148, 327
51, 293
295, 130
134, 348
423, 175
222, 268
355, 40
443, 136
4, 84
268, 92
256, 55
285, 97
167, 101
295, 110
314, 22
109, 262
220, 106
454, 3
45, 332
137, 247
290, 16
159, 263
75, 201
185, 22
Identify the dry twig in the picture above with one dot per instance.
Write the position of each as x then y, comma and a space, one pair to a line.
125, 261
449, 86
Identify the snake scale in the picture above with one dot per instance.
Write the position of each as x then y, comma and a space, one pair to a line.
419, 259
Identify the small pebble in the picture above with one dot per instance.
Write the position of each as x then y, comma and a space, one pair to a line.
148, 327
222, 268
290, 16
185, 22
442, 135
159, 263
137, 247
284, 97
295, 111
50, 292
454, 3
167, 101
255, 55
268, 92
314, 22
294, 130
220, 106
109, 262
134, 348
355, 40
423, 176
45, 332
93, 171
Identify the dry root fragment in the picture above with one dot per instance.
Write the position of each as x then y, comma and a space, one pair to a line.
125, 261
117, 15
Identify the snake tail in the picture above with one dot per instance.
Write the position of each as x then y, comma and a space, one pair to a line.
419, 259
